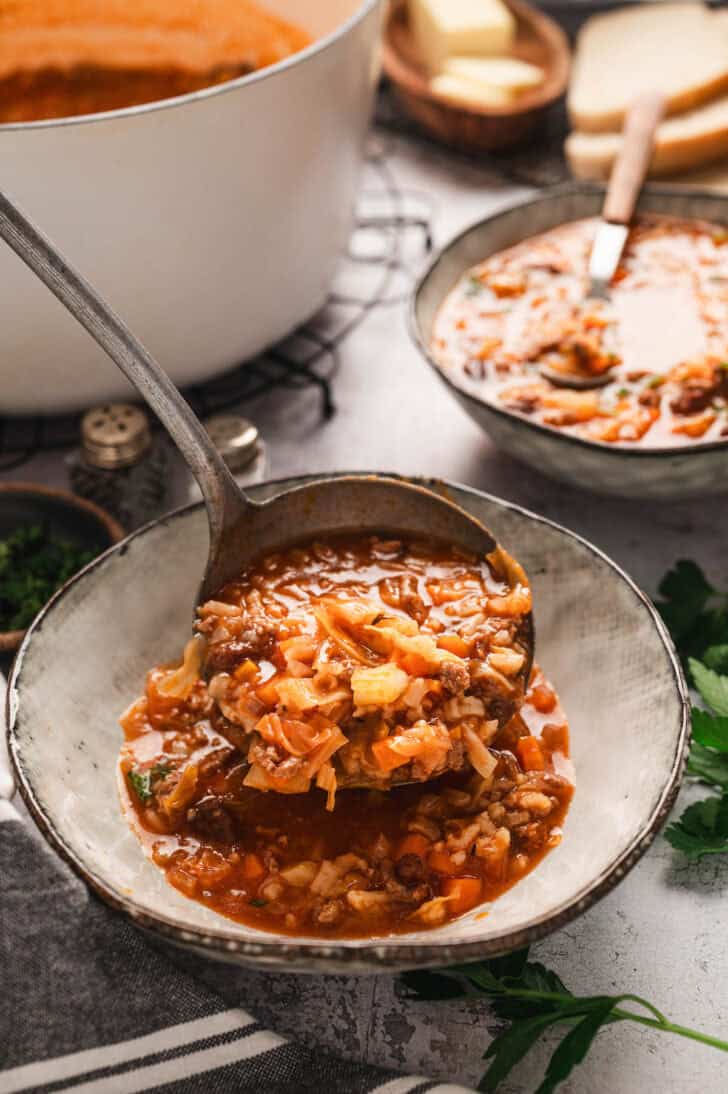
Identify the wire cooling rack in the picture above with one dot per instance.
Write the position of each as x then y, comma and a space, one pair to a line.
393, 231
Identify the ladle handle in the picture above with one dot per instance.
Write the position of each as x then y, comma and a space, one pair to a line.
633, 159
222, 496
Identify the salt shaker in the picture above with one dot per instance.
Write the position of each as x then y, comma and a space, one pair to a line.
120, 465
239, 443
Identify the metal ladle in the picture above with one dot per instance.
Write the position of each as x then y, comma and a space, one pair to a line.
242, 529
625, 182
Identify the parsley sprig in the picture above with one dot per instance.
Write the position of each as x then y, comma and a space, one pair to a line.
532, 999
697, 617
702, 828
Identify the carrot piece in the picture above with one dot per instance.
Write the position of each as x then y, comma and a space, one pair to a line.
542, 698
268, 693
453, 643
252, 868
414, 664
530, 754
386, 757
463, 892
413, 844
247, 671
697, 425
556, 738
488, 348
441, 862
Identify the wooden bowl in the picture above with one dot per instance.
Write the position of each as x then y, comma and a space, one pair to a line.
469, 127
75, 519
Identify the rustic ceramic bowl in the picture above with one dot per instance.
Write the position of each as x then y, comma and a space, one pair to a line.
598, 638
79, 521
669, 473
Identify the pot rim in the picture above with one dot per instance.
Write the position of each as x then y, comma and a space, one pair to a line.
319, 45
604, 448
376, 954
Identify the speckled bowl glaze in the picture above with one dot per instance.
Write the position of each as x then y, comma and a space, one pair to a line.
667, 473
598, 638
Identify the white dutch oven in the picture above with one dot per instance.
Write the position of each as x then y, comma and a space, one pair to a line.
212, 222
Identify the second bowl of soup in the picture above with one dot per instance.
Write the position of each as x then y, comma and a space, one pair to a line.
506, 304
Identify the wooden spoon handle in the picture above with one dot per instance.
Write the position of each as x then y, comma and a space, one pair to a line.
633, 159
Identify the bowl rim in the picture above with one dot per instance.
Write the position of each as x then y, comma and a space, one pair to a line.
397, 69
545, 196
318, 45
10, 640
385, 952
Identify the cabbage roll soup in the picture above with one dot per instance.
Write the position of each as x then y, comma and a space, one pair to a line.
356, 741
660, 342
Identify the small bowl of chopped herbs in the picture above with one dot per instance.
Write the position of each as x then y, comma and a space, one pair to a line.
46, 536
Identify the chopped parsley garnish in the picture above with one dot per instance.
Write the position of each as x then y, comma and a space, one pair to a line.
623, 392
532, 1000
142, 781
473, 286
34, 562
656, 381
257, 903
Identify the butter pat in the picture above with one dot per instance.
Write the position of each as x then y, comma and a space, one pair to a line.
469, 92
504, 73
448, 28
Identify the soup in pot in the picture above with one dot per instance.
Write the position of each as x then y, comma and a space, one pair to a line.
60, 58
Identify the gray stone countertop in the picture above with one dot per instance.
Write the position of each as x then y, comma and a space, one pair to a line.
662, 933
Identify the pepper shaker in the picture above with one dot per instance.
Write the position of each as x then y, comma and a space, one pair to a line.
120, 464
239, 443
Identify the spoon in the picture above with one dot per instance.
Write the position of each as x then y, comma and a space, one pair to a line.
242, 529
625, 183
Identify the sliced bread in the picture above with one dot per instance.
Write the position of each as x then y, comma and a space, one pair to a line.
680, 49
685, 141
